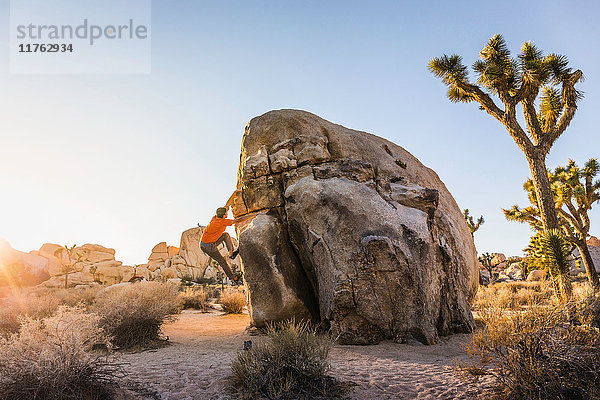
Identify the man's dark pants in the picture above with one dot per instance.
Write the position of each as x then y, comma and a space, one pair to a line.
211, 249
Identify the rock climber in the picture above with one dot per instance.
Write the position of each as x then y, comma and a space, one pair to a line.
214, 234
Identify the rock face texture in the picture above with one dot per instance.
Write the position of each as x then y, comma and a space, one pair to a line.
356, 233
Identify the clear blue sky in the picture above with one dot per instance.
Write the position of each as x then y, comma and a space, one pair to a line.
131, 160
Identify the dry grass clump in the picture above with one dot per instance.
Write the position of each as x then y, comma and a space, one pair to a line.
233, 301
512, 295
541, 352
292, 364
24, 305
196, 298
39, 304
132, 315
76, 296
53, 358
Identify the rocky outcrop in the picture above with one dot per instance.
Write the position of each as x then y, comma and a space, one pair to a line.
88, 263
49, 265
357, 234
17, 267
594, 249
536, 275
498, 258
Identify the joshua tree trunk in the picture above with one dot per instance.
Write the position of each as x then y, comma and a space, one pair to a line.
544, 195
588, 262
562, 287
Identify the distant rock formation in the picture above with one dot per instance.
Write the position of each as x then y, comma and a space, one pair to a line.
357, 235
91, 263
19, 268
95, 263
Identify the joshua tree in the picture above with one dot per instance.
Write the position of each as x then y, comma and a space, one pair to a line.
486, 261
574, 191
73, 257
519, 81
473, 226
557, 254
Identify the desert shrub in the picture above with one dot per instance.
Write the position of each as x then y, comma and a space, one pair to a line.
132, 315
233, 301
213, 291
20, 305
291, 364
84, 296
542, 352
196, 298
512, 295
192, 276
53, 359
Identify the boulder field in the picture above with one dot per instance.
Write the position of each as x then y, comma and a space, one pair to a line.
355, 233
93, 263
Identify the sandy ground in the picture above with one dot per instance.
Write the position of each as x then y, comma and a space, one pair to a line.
196, 363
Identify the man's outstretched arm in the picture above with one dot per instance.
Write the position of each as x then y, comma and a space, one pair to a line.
247, 217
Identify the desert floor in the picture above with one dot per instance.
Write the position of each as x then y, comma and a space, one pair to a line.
196, 363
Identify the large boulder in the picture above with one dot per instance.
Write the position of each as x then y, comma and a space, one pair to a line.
498, 259
594, 253
536, 275
355, 233
189, 249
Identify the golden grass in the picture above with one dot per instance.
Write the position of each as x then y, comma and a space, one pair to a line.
512, 295
233, 301
196, 298
534, 345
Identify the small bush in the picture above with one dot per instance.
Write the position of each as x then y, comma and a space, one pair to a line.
542, 352
233, 301
195, 298
72, 297
292, 364
132, 315
21, 305
52, 359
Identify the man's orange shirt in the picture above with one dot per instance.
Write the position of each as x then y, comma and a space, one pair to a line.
215, 229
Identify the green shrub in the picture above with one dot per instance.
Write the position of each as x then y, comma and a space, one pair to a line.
132, 315
291, 364
53, 359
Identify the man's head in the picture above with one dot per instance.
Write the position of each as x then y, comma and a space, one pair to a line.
221, 212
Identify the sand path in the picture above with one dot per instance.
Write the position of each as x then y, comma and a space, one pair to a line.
197, 362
